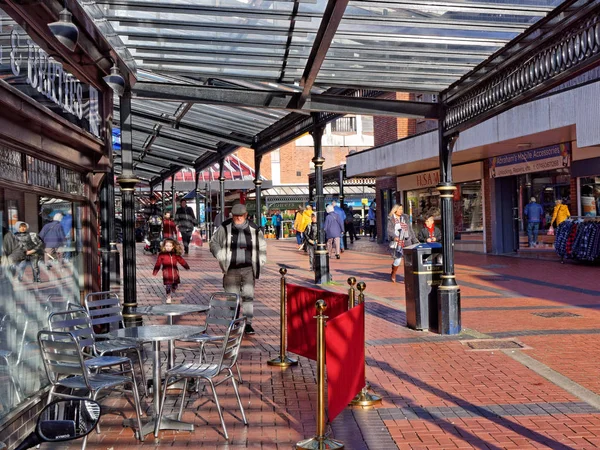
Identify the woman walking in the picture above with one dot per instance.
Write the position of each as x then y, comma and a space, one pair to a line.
400, 234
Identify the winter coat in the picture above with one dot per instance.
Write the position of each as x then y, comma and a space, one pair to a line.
53, 235
424, 234
409, 237
185, 219
169, 228
340, 212
310, 234
298, 221
560, 214
220, 246
334, 226
169, 261
26, 241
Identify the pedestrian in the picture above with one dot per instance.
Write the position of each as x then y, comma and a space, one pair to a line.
430, 233
169, 227
276, 220
298, 228
349, 223
333, 230
241, 250
168, 258
310, 235
28, 252
67, 225
534, 213
371, 218
340, 212
560, 214
53, 236
400, 234
185, 220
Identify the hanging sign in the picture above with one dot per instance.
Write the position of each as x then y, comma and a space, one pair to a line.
528, 161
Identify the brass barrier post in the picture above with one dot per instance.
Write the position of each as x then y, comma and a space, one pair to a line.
364, 397
282, 360
320, 441
351, 293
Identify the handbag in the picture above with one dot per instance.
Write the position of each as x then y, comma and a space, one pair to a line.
551, 231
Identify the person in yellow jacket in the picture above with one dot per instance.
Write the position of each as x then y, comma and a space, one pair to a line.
560, 214
298, 226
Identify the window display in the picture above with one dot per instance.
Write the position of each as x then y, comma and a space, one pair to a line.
590, 196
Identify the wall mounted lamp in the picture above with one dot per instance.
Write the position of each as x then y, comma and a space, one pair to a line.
65, 31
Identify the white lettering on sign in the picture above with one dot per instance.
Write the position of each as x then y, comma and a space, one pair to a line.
49, 78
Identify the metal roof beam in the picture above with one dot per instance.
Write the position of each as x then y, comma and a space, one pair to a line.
258, 98
332, 16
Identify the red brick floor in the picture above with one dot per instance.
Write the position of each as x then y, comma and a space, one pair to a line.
438, 392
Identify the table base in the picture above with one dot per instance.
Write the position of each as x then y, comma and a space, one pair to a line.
167, 423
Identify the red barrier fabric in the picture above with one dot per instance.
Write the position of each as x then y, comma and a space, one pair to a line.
301, 324
345, 356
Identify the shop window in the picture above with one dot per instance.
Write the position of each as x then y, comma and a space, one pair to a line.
41, 271
590, 196
10, 164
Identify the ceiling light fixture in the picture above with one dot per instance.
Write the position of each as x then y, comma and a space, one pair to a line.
115, 80
65, 30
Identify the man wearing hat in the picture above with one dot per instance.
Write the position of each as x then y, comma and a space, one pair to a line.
241, 249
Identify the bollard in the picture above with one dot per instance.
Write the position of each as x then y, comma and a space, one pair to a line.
364, 397
320, 441
282, 360
351, 293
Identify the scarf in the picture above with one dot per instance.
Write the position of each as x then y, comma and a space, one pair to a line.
431, 230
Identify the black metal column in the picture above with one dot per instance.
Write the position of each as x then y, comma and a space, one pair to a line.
222, 189
197, 198
258, 190
173, 199
127, 181
162, 203
341, 176
209, 210
321, 263
115, 257
104, 235
448, 291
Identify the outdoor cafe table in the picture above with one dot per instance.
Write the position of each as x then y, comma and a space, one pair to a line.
170, 311
157, 334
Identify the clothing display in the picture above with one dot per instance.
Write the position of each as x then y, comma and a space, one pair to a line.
578, 240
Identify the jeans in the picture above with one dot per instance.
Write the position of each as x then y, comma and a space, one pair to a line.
533, 229
333, 244
311, 256
299, 238
241, 281
33, 261
277, 231
186, 236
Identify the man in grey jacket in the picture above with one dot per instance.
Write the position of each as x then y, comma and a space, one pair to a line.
241, 249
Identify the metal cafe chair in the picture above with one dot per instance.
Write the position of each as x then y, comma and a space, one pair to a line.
12, 343
208, 372
65, 367
223, 308
77, 322
104, 310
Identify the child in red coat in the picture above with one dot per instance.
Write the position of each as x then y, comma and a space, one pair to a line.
169, 256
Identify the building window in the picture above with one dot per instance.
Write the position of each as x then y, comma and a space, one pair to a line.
344, 125
298, 173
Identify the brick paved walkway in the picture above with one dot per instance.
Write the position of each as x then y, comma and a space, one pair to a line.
439, 393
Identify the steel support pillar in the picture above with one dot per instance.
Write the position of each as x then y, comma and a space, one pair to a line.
197, 199
173, 199
321, 262
208, 211
162, 203
114, 256
222, 189
258, 190
448, 291
341, 176
104, 235
127, 182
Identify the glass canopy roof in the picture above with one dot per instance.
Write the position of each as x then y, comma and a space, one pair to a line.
395, 45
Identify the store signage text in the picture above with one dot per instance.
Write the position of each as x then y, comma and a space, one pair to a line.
428, 179
51, 80
528, 161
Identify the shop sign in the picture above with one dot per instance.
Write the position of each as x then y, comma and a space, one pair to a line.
27, 67
428, 179
528, 161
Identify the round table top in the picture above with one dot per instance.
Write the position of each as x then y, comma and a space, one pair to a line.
170, 310
147, 333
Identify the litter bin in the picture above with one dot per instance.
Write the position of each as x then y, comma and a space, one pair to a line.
422, 276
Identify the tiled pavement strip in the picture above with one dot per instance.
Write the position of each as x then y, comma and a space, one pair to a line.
438, 394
